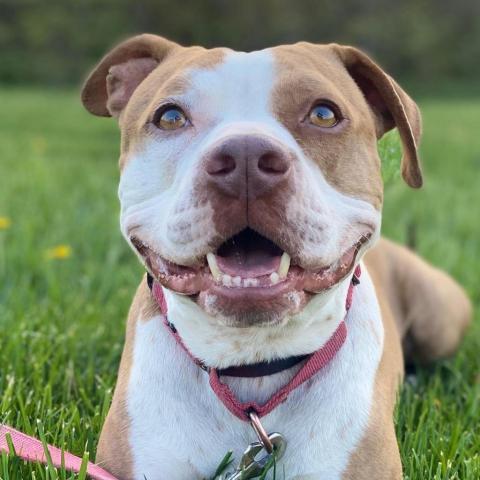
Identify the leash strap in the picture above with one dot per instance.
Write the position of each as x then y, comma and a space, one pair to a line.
32, 450
315, 362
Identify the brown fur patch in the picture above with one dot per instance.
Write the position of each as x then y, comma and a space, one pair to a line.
416, 300
346, 154
377, 456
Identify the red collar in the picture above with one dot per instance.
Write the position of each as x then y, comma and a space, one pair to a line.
312, 363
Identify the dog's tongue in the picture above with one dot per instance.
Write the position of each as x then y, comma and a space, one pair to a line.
249, 265
248, 255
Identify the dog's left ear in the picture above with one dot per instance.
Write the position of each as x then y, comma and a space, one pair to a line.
391, 105
112, 82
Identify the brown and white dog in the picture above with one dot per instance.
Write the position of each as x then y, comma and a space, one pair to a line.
250, 189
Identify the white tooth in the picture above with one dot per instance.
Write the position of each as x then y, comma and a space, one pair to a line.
284, 265
227, 280
250, 282
212, 263
237, 281
274, 278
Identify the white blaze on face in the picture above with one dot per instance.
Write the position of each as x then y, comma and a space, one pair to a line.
237, 90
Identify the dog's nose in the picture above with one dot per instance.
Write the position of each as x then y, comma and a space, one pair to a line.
247, 165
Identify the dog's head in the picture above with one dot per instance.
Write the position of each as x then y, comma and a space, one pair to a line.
251, 182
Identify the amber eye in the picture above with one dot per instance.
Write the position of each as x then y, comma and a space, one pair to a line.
322, 115
170, 118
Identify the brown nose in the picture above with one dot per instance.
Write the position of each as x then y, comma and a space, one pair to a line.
247, 165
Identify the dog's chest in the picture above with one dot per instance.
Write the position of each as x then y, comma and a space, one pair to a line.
180, 430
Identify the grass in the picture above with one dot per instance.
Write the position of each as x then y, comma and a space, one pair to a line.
62, 313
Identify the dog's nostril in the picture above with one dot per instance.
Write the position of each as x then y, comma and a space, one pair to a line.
273, 163
221, 165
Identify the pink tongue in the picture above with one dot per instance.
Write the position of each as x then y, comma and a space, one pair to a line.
251, 264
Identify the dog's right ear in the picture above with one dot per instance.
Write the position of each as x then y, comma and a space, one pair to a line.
110, 85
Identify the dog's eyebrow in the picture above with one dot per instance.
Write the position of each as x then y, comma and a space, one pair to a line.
173, 86
309, 88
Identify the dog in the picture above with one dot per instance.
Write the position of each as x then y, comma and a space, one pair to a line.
251, 191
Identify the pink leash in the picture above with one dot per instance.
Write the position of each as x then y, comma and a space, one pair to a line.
31, 450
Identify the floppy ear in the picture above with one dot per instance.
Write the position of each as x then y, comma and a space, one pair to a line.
111, 84
391, 105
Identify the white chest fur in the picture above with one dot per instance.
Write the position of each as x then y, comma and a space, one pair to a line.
180, 430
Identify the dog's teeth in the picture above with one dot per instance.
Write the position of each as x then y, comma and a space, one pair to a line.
227, 280
237, 281
274, 278
250, 282
284, 265
212, 264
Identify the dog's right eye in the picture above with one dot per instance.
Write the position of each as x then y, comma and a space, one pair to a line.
170, 118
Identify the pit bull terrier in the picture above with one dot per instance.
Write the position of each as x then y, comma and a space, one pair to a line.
251, 190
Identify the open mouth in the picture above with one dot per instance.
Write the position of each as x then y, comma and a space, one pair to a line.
248, 260
247, 266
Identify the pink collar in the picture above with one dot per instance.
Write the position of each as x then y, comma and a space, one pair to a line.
315, 362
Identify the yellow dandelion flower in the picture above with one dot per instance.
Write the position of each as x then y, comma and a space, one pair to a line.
5, 223
59, 252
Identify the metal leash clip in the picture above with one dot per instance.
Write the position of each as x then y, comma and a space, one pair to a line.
251, 467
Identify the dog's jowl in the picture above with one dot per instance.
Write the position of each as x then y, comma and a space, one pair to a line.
251, 191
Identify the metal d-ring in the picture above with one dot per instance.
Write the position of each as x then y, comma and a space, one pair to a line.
260, 431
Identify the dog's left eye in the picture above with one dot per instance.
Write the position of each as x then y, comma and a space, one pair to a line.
170, 118
322, 115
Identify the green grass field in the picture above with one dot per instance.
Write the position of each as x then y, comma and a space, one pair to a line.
62, 312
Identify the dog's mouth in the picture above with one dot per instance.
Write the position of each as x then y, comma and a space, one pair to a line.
247, 266
248, 260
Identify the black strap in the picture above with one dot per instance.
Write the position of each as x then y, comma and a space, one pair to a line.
262, 369
149, 281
